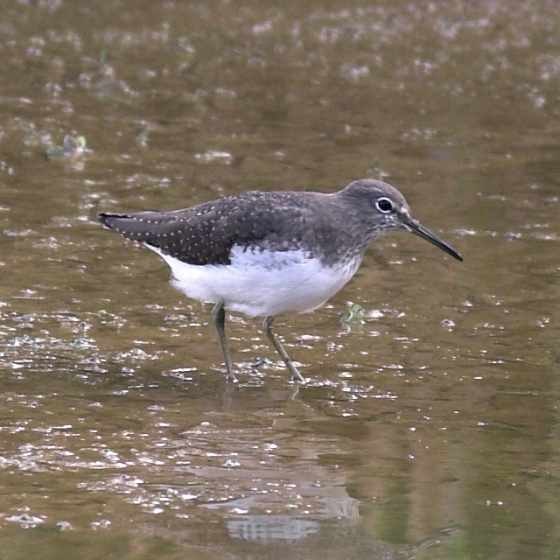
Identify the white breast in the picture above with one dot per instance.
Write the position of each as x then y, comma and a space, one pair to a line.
262, 283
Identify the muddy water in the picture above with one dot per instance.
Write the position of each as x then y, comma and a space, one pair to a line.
428, 430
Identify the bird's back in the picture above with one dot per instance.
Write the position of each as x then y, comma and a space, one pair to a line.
205, 234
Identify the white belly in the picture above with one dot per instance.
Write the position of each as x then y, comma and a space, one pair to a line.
262, 283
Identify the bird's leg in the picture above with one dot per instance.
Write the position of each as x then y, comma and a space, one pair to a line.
219, 316
267, 326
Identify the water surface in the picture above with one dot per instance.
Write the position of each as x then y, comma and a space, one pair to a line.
427, 430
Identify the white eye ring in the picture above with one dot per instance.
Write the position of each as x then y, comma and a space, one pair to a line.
384, 205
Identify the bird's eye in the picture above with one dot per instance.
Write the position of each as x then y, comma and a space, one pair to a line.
384, 205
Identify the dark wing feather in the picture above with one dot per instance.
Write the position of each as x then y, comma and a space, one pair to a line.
205, 234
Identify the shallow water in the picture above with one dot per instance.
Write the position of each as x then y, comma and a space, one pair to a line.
427, 430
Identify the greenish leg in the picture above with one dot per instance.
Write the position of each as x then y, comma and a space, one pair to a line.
267, 326
219, 316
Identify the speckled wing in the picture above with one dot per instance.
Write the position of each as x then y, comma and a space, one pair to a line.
205, 234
